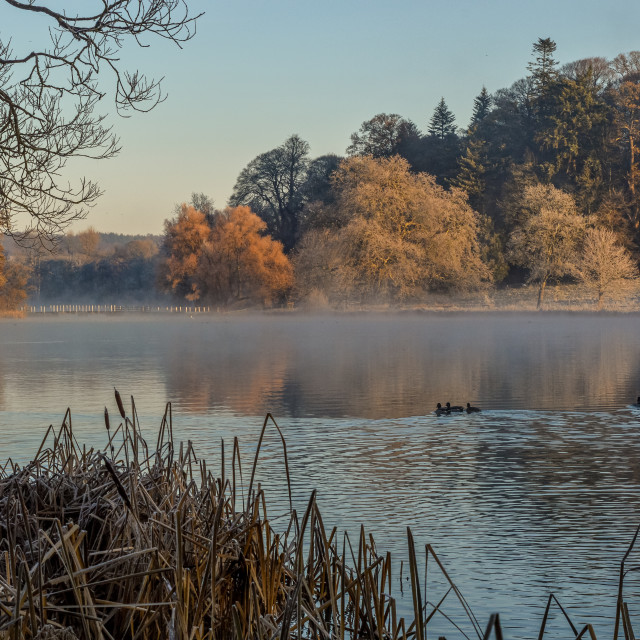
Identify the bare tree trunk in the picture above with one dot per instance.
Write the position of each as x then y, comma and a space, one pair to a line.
543, 284
632, 181
600, 299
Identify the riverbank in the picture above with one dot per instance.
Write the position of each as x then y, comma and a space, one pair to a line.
522, 298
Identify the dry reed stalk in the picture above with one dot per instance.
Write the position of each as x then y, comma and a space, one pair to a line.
128, 544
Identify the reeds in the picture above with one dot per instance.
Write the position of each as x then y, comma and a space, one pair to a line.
129, 543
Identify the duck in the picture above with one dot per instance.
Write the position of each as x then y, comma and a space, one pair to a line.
457, 408
441, 411
471, 409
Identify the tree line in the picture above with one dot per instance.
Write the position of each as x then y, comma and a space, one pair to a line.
542, 185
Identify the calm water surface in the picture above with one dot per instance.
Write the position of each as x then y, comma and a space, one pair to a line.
539, 493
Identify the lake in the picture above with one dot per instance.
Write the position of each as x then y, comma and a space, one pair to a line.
538, 493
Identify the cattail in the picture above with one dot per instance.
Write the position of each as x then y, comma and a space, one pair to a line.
120, 405
116, 480
106, 419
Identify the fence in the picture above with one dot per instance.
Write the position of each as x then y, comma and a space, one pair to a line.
111, 308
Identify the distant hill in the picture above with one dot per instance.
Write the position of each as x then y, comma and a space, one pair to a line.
108, 242
112, 240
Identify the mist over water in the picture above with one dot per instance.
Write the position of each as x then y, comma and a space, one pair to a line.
538, 493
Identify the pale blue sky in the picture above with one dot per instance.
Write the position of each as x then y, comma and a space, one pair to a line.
259, 71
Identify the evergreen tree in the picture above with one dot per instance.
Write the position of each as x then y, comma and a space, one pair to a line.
442, 121
481, 107
472, 171
544, 68
546, 86
571, 135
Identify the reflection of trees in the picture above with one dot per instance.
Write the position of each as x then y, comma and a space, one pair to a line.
241, 366
396, 366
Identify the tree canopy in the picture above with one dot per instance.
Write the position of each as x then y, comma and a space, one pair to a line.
272, 186
240, 262
442, 123
184, 237
398, 233
383, 136
547, 240
604, 265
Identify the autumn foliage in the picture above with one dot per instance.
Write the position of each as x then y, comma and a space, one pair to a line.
230, 261
604, 265
396, 234
184, 237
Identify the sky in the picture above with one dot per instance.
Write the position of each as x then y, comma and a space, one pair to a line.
257, 72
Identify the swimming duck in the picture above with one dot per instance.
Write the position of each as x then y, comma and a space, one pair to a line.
471, 409
441, 411
456, 408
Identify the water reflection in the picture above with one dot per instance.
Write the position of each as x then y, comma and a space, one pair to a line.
537, 493
390, 367
334, 366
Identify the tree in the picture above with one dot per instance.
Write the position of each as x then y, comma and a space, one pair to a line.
627, 120
397, 234
437, 153
511, 126
205, 204
604, 265
547, 240
481, 107
48, 101
239, 262
184, 237
442, 121
317, 184
382, 136
597, 70
136, 250
543, 69
271, 185
14, 291
88, 241
472, 169
571, 136
14, 277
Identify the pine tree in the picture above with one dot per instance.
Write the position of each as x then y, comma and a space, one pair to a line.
481, 107
471, 172
442, 122
546, 86
544, 69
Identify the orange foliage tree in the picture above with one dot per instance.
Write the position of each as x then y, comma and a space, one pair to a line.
233, 260
240, 262
184, 237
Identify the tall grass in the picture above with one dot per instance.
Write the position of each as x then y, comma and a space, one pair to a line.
130, 542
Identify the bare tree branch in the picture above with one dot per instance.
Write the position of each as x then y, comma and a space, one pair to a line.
49, 98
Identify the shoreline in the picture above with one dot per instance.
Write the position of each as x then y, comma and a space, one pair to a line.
560, 299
